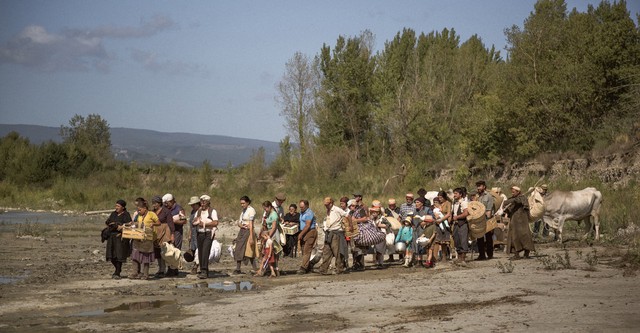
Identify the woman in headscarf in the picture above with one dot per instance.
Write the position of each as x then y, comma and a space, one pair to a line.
143, 254
246, 244
117, 248
424, 216
519, 237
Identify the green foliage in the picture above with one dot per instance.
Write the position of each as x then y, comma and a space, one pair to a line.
91, 133
344, 118
564, 80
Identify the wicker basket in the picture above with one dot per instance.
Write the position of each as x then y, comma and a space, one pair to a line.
290, 230
137, 233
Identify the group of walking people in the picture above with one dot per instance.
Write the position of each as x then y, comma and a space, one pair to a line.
421, 231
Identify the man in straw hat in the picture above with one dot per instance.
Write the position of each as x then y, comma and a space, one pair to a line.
194, 202
335, 243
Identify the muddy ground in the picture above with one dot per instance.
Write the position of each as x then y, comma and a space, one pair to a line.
62, 284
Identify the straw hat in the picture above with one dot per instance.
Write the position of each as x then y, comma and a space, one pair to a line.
193, 200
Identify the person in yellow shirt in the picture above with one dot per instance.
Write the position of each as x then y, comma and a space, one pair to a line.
143, 254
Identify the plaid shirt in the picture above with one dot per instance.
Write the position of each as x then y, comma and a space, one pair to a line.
406, 209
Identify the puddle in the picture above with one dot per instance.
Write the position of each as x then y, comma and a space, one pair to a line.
234, 286
10, 279
127, 307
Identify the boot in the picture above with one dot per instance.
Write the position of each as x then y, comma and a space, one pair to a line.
406, 262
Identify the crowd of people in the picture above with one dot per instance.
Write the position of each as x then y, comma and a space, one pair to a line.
422, 231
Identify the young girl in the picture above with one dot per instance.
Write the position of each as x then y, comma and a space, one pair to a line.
430, 234
405, 235
268, 255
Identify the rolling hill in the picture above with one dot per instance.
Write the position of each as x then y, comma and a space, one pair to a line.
149, 146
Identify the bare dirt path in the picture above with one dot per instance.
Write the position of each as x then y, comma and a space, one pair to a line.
64, 284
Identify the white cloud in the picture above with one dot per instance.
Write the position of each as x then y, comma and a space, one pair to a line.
156, 25
73, 49
150, 61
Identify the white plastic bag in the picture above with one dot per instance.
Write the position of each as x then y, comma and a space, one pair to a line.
231, 249
390, 239
216, 252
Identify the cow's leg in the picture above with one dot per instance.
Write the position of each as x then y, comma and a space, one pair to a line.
559, 230
587, 226
596, 215
596, 222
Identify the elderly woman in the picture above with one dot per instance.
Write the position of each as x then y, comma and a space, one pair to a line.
424, 215
206, 224
143, 253
117, 248
246, 245
519, 237
270, 224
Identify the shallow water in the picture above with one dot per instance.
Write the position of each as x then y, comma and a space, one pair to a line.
10, 279
223, 286
18, 217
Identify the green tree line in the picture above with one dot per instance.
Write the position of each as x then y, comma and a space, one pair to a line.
569, 82
85, 141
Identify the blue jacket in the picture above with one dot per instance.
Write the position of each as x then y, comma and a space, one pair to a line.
405, 234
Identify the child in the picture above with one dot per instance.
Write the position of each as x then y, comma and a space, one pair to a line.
405, 235
268, 255
430, 234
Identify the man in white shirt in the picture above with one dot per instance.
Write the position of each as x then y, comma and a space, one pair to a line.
461, 227
206, 222
335, 243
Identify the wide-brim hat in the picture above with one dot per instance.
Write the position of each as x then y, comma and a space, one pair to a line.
194, 200
281, 196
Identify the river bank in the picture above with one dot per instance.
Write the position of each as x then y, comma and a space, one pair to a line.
62, 283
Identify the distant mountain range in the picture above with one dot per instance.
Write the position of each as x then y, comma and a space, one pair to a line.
185, 149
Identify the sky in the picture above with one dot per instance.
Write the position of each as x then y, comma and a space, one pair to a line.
204, 67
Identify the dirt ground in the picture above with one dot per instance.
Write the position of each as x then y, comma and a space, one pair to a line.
62, 284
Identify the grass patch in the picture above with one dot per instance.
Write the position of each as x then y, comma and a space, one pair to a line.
507, 267
31, 229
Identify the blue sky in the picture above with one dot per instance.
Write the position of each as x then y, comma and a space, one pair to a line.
206, 67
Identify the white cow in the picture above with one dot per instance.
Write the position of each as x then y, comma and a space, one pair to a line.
576, 206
